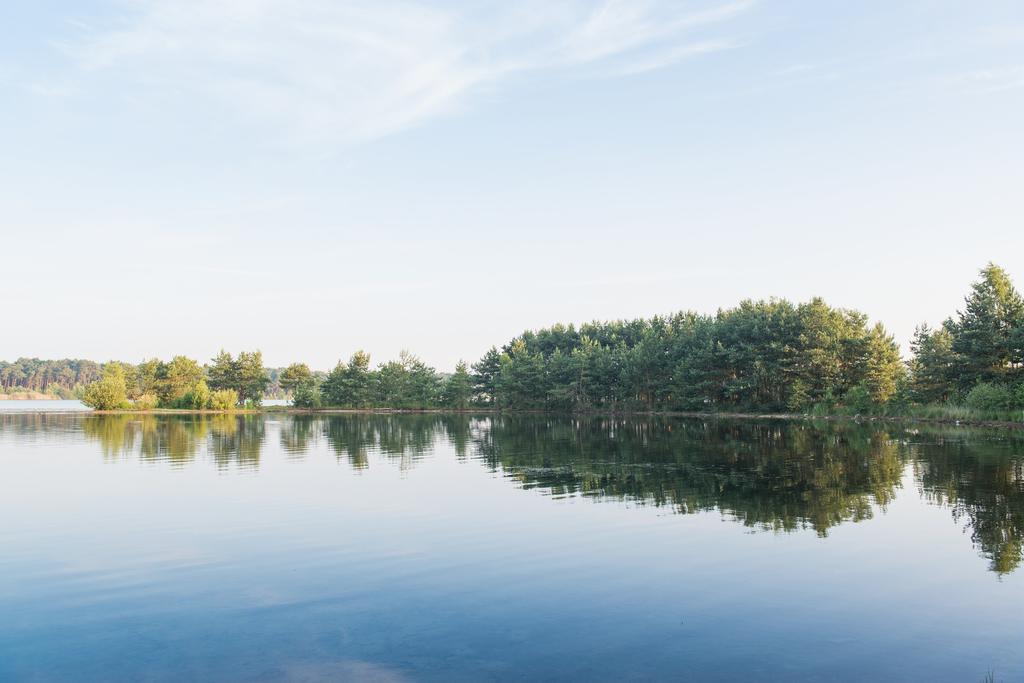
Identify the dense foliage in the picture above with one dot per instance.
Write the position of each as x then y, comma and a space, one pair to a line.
181, 383
56, 377
976, 358
761, 355
769, 355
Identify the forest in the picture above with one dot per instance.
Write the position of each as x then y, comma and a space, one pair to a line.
760, 356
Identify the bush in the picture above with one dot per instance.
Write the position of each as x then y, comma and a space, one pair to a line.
145, 402
858, 398
307, 395
985, 396
1017, 397
199, 397
110, 392
224, 399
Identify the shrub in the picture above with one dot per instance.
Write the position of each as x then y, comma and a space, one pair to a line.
307, 395
224, 399
110, 392
145, 402
985, 396
858, 398
199, 397
1017, 399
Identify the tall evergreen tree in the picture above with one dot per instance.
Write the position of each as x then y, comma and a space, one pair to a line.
986, 335
933, 364
883, 367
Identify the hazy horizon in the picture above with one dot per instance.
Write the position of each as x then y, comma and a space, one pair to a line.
310, 179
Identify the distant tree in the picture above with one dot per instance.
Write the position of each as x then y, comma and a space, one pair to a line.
294, 375
485, 377
176, 379
458, 389
144, 379
198, 396
307, 395
357, 380
350, 384
422, 386
244, 375
883, 367
110, 392
932, 365
333, 387
252, 377
223, 373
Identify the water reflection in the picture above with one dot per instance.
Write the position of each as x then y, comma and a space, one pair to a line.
770, 476
766, 475
178, 439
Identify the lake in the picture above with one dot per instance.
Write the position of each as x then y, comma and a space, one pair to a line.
448, 548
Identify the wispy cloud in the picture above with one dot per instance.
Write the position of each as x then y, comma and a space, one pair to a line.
337, 72
990, 80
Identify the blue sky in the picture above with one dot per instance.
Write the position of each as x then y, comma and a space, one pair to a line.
310, 177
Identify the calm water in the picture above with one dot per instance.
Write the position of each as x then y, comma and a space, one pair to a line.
453, 548
45, 406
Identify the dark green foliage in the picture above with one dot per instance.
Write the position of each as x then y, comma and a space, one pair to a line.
977, 358
485, 377
986, 336
763, 355
458, 388
404, 383
244, 375
933, 364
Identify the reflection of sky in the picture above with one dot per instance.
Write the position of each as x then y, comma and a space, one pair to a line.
446, 570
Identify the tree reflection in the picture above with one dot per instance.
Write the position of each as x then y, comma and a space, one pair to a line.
984, 488
765, 475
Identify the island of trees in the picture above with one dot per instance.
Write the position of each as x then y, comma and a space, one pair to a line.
761, 356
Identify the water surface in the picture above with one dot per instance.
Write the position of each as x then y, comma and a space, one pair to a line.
427, 547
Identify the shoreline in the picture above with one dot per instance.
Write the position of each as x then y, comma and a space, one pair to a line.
791, 417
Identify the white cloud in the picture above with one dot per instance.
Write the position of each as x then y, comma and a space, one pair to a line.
337, 72
991, 80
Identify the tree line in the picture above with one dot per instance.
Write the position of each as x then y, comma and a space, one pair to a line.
55, 377
767, 355
181, 383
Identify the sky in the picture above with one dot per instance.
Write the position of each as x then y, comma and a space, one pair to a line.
309, 177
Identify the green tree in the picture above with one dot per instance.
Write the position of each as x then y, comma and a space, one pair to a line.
986, 333
458, 389
176, 379
485, 377
933, 364
350, 384
307, 395
294, 375
252, 377
223, 374
358, 380
144, 379
883, 367
244, 375
198, 398
110, 392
